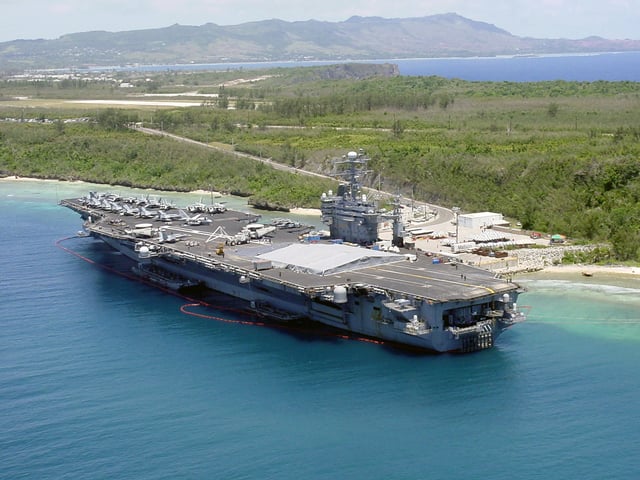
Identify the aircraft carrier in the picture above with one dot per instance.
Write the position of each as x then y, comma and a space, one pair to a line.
289, 272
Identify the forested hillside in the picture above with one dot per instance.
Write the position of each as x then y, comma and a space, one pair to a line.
445, 35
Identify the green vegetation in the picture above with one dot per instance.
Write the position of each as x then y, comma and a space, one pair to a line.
561, 157
123, 157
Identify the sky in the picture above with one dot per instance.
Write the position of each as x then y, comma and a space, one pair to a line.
32, 19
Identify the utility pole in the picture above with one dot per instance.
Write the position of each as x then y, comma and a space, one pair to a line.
456, 211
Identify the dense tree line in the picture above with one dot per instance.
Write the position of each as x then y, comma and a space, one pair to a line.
596, 198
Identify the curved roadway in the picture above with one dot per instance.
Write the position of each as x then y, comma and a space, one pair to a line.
443, 215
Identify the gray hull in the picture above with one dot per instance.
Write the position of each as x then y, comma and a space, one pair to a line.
363, 309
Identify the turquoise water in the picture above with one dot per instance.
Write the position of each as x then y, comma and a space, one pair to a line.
104, 377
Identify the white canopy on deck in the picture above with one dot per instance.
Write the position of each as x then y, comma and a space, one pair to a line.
323, 259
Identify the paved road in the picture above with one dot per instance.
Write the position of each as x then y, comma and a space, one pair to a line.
268, 161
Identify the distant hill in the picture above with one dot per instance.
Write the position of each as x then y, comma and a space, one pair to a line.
358, 38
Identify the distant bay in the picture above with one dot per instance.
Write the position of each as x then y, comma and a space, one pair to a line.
581, 68
536, 68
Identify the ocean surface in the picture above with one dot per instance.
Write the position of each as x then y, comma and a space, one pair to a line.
537, 68
532, 68
102, 377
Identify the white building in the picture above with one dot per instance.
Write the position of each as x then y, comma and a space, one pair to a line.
481, 219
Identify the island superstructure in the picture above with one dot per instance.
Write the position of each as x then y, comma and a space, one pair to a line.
289, 272
350, 215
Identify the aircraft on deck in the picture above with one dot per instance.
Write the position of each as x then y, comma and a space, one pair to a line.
144, 213
127, 209
216, 208
115, 207
164, 205
197, 207
200, 207
153, 202
198, 219
166, 237
169, 217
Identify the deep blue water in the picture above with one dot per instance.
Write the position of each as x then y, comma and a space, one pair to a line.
589, 68
103, 377
605, 66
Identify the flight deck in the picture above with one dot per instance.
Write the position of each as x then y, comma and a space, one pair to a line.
408, 272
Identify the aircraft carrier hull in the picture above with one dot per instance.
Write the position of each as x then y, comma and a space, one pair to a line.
405, 298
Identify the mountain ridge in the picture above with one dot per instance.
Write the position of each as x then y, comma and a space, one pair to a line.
357, 38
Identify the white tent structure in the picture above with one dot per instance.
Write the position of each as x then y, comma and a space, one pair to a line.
480, 219
323, 259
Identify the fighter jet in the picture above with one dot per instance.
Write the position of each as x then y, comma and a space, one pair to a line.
144, 213
198, 219
197, 207
127, 209
166, 237
216, 208
169, 217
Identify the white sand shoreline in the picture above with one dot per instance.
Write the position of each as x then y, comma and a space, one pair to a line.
305, 211
592, 270
14, 178
209, 193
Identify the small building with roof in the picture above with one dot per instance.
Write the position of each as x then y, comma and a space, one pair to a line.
481, 219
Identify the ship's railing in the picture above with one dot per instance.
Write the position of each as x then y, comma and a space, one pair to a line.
513, 317
413, 327
480, 327
420, 329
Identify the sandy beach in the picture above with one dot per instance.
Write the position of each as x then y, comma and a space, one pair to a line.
29, 179
611, 275
306, 211
207, 192
593, 270
79, 182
